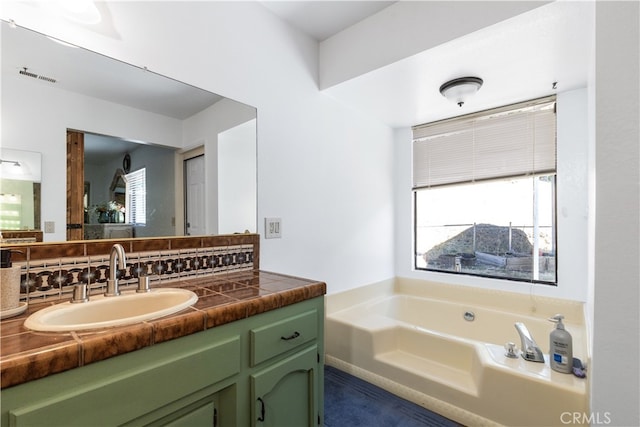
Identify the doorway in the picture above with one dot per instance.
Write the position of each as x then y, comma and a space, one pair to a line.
194, 184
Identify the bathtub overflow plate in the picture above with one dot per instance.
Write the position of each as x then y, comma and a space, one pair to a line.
469, 316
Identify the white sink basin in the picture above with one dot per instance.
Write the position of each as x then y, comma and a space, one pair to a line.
102, 312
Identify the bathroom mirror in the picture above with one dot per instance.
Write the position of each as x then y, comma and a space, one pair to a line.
50, 89
20, 189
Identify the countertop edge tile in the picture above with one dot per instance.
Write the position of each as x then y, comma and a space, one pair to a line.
168, 328
263, 304
217, 316
115, 341
19, 365
32, 366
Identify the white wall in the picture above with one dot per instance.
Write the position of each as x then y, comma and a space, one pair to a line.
323, 168
615, 382
572, 208
237, 192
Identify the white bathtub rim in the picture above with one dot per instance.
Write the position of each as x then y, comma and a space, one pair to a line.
490, 356
365, 316
355, 313
501, 300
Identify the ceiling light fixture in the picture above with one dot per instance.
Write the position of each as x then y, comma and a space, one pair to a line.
458, 90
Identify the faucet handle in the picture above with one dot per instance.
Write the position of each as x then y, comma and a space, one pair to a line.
80, 293
143, 284
512, 350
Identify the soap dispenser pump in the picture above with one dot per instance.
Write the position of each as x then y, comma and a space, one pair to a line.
560, 347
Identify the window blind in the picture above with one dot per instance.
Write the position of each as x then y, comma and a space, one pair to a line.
511, 141
136, 189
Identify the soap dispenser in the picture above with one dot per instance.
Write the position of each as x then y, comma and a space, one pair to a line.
560, 347
9, 282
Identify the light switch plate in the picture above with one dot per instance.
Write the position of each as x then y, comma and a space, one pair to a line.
49, 227
272, 228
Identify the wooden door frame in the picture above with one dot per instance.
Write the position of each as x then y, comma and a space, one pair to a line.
75, 185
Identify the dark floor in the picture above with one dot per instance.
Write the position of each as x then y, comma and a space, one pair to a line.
352, 402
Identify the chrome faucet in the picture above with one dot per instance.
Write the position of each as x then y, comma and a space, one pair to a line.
530, 350
117, 260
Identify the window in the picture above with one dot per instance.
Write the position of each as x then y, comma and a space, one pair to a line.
136, 194
484, 193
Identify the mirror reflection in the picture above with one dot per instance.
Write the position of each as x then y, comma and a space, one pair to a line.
20, 190
100, 124
118, 177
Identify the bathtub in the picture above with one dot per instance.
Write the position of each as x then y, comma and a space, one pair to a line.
443, 347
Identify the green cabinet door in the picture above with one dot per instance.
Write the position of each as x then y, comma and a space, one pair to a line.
285, 393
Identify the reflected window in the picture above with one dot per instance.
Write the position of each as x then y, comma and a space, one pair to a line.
136, 195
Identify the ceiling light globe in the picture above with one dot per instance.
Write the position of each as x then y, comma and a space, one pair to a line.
460, 89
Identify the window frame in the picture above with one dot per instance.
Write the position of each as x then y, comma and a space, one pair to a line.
533, 174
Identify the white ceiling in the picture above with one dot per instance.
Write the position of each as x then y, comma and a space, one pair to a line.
98, 76
322, 19
518, 59
91, 74
95, 75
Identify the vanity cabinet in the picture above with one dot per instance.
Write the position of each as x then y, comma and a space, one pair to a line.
140, 388
283, 391
218, 377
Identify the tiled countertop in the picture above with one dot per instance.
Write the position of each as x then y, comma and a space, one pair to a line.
27, 355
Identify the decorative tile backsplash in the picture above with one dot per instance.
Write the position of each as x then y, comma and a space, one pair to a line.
55, 278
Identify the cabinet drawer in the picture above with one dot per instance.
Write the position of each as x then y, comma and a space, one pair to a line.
278, 337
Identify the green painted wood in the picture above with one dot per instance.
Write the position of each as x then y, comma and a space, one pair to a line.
158, 384
279, 337
202, 416
284, 394
155, 384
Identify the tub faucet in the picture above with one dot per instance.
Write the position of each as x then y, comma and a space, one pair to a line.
530, 350
117, 260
